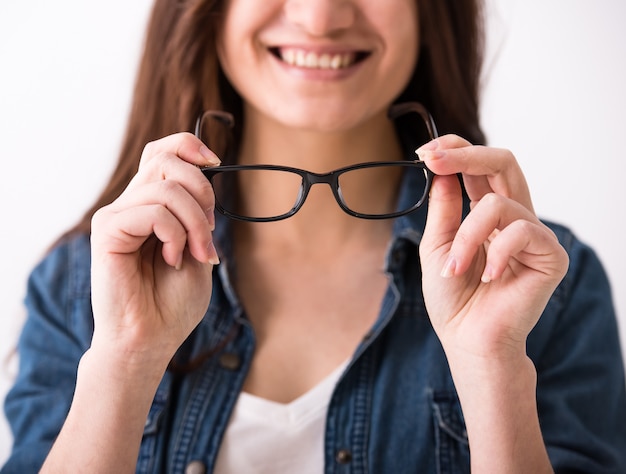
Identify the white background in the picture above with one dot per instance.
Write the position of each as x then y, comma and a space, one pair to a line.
555, 93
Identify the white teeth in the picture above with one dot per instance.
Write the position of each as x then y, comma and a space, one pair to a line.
335, 62
300, 58
289, 56
311, 60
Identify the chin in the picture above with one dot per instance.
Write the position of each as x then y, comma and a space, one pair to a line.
325, 117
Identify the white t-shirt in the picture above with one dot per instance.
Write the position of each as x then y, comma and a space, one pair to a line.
274, 438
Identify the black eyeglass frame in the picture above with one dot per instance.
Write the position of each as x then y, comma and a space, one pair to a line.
332, 177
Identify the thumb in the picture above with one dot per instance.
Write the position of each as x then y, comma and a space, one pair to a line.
445, 212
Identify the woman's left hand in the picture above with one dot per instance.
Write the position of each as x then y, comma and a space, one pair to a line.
488, 277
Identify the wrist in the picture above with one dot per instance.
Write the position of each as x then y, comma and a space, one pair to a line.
104, 426
124, 367
501, 374
127, 352
498, 399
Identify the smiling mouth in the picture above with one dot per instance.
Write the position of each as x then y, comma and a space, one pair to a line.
313, 60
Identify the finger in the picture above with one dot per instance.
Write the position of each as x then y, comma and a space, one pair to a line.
484, 169
174, 197
445, 208
168, 167
492, 214
126, 231
531, 244
184, 145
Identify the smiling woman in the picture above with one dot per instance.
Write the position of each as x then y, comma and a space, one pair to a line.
412, 312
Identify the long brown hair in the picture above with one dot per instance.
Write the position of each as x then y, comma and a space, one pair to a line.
179, 76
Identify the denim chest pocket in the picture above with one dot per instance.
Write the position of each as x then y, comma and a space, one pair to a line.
451, 443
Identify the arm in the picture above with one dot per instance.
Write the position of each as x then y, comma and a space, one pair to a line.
152, 257
487, 279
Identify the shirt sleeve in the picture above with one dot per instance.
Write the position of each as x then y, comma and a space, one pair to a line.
56, 333
581, 391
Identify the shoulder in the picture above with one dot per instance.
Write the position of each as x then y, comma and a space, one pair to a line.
585, 272
66, 267
581, 307
58, 294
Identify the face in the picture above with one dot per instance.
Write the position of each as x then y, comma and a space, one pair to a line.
319, 64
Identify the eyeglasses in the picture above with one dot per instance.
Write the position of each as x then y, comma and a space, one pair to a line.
287, 188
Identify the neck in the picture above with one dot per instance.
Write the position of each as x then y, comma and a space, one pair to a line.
323, 241
270, 142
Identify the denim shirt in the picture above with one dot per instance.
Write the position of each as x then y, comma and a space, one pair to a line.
394, 409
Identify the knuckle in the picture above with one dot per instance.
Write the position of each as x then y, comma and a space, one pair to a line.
186, 137
178, 232
509, 156
98, 218
169, 145
149, 150
524, 226
206, 189
492, 200
168, 189
183, 140
507, 161
463, 238
160, 213
157, 167
453, 140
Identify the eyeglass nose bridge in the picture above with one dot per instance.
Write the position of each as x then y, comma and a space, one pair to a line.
310, 178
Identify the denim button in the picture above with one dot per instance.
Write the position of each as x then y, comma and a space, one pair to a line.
398, 257
195, 467
344, 456
230, 361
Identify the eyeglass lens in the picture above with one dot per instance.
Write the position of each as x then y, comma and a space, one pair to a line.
281, 191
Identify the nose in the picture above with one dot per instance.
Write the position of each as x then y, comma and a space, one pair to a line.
321, 17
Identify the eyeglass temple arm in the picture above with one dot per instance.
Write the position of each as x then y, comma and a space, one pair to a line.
396, 110
221, 116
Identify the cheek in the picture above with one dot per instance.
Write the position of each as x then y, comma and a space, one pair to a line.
237, 43
232, 56
400, 27
230, 38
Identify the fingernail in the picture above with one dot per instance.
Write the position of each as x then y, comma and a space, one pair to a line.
430, 149
432, 155
213, 258
430, 146
210, 215
179, 262
449, 268
209, 155
487, 274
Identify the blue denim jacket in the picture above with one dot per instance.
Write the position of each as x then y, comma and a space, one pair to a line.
394, 410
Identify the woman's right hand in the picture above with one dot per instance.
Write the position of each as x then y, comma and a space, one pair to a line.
152, 259
152, 254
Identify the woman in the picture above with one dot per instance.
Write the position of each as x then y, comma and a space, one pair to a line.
331, 342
